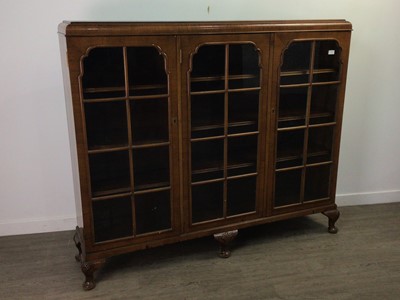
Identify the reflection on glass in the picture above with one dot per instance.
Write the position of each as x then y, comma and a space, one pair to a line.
146, 71
207, 115
244, 71
207, 202
290, 148
292, 107
106, 124
323, 104
105, 79
317, 182
243, 112
242, 155
296, 63
319, 144
207, 160
112, 219
151, 167
153, 212
287, 187
109, 173
149, 120
241, 195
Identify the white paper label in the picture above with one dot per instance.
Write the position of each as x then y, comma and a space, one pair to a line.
331, 52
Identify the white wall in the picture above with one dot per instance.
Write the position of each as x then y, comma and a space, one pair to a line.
36, 193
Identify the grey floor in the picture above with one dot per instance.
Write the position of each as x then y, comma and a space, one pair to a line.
295, 259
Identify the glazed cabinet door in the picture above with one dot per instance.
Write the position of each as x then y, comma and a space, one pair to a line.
311, 71
127, 132
224, 81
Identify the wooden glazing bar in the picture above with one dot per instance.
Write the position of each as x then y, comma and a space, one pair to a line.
220, 78
322, 125
307, 72
243, 176
154, 96
107, 197
217, 126
250, 89
220, 168
153, 190
104, 149
207, 92
209, 138
288, 86
326, 82
292, 128
226, 119
208, 181
111, 192
97, 100
129, 124
243, 134
319, 164
150, 145
308, 110
289, 169
300, 117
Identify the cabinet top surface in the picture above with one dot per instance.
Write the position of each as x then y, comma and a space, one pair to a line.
171, 28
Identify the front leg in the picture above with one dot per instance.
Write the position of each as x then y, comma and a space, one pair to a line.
88, 268
224, 239
333, 216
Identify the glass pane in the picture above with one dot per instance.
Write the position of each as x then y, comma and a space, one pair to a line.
292, 107
153, 212
317, 182
151, 167
207, 115
241, 195
207, 201
244, 71
296, 63
208, 68
327, 61
149, 121
287, 187
106, 124
323, 104
290, 148
109, 173
319, 144
112, 219
243, 112
103, 73
146, 69
207, 160
242, 155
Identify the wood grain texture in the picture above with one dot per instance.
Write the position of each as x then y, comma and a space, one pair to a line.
292, 259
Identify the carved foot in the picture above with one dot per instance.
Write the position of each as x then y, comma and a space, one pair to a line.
333, 216
88, 268
224, 239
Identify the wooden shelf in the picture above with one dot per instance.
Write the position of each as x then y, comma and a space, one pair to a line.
290, 155
293, 116
220, 125
213, 168
222, 77
307, 72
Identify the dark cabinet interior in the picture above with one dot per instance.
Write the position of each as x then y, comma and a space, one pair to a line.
179, 133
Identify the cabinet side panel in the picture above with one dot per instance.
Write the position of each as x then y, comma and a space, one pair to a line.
71, 130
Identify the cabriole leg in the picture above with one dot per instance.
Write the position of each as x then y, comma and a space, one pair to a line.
333, 216
224, 239
88, 268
